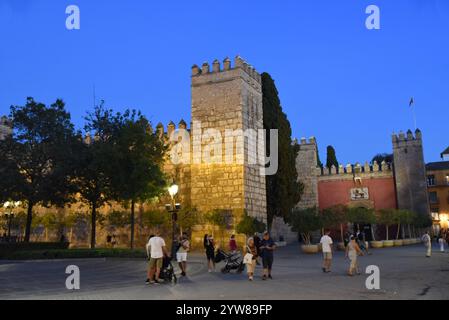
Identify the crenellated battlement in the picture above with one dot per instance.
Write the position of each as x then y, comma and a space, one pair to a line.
166, 132
310, 141
216, 68
356, 169
405, 139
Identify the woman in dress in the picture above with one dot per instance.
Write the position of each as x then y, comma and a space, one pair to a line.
352, 252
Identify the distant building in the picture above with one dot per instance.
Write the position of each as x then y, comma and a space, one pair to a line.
445, 155
401, 184
5, 127
438, 186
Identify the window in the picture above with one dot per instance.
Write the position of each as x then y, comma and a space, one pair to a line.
435, 214
431, 180
447, 179
433, 198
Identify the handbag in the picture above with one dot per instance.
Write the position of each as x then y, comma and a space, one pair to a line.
248, 258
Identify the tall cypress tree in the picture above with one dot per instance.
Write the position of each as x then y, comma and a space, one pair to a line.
283, 189
331, 158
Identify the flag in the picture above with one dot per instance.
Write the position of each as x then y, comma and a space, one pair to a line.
412, 102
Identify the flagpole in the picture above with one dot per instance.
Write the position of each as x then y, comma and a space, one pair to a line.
412, 105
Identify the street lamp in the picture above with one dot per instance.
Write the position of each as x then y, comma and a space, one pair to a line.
173, 208
9, 205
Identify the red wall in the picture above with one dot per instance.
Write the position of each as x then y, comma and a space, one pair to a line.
381, 192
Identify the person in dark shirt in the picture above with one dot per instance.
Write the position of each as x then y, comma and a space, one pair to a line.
267, 247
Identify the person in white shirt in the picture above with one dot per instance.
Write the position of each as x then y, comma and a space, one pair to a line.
156, 250
326, 242
427, 243
181, 254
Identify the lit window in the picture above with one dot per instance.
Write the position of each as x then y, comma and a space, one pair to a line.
431, 180
447, 179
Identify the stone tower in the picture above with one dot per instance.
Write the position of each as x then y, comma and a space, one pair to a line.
225, 100
410, 172
308, 172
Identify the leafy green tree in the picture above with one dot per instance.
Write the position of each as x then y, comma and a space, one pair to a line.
335, 216
386, 217
188, 217
305, 222
93, 175
331, 158
379, 158
250, 225
136, 167
360, 215
422, 221
283, 189
38, 157
219, 219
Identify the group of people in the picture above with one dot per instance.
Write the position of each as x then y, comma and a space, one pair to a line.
256, 248
157, 251
355, 246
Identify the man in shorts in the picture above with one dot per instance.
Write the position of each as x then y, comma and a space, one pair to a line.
156, 250
326, 242
267, 247
181, 255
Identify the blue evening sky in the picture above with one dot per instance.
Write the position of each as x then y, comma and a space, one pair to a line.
338, 81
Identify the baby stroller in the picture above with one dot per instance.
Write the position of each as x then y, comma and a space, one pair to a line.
168, 272
234, 261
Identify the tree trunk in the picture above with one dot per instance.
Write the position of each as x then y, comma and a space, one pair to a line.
29, 220
386, 228
372, 233
398, 231
341, 233
132, 223
93, 227
409, 232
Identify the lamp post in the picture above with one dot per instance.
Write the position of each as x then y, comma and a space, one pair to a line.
173, 208
9, 206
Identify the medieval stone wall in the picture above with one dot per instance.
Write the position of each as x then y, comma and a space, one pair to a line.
410, 172
225, 100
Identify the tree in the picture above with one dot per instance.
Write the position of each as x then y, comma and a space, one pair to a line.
331, 158
218, 218
387, 218
361, 215
335, 216
136, 173
379, 158
250, 225
188, 217
38, 157
93, 176
305, 222
283, 189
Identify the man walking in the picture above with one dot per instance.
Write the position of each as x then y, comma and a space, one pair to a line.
427, 243
181, 255
267, 247
156, 250
326, 242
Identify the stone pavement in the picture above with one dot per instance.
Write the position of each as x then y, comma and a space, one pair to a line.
405, 274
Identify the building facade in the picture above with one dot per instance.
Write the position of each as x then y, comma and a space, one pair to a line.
401, 184
438, 186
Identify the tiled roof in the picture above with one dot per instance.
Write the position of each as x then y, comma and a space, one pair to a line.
434, 166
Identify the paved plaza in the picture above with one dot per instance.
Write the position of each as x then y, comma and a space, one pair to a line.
405, 274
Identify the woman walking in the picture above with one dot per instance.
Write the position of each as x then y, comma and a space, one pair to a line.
209, 246
352, 251
250, 258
